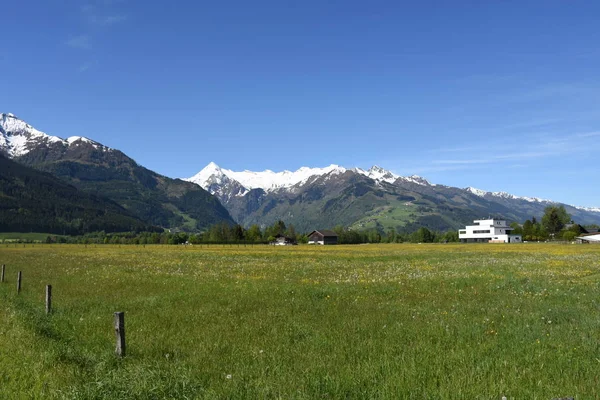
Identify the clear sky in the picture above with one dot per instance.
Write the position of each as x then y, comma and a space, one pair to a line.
499, 95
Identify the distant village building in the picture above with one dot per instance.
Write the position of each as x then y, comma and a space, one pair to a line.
589, 238
322, 237
488, 231
281, 240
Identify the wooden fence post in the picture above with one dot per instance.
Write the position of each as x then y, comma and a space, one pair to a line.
120, 333
3, 269
19, 276
48, 299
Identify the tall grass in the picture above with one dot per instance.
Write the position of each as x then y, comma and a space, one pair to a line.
375, 321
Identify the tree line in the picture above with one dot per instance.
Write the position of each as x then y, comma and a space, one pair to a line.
223, 233
555, 224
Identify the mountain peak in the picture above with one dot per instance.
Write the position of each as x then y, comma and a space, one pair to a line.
211, 174
379, 174
475, 191
210, 169
267, 180
18, 138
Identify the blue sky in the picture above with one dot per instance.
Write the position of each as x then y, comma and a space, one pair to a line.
500, 95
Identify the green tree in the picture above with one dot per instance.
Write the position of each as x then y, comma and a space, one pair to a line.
423, 235
539, 232
569, 235
517, 229
555, 218
238, 233
528, 227
450, 236
291, 232
254, 234
279, 228
391, 235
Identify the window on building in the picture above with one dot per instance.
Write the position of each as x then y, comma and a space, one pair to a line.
488, 231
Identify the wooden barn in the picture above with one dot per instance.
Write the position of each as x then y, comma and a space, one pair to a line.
322, 237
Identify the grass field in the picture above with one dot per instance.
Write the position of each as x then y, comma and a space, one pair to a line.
370, 322
32, 237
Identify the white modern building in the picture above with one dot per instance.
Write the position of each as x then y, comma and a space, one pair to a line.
591, 238
488, 231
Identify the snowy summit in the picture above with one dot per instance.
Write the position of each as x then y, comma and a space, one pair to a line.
220, 181
18, 138
266, 180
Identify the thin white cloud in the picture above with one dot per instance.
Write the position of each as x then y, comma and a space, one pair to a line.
588, 134
532, 124
458, 149
99, 15
86, 66
88, 8
462, 162
113, 19
79, 42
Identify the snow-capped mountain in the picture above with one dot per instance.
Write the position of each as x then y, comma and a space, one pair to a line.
309, 198
94, 168
379, 174
213, 176
18, 138
225, 182
590, 209
504, 195
375, 197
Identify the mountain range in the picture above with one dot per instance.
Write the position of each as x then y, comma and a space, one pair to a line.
108, 173
358, 198
308, 198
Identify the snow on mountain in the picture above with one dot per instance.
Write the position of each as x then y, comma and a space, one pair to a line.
213, 179
267, 180
417, 179
590, 209
18, 137
504, 195
379, 174
219, 180
476, 192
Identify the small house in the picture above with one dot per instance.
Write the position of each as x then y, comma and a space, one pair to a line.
322, 237
281, 240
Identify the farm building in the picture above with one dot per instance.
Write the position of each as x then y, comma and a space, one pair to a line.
590, 238
322, 237
281, 240
488, 231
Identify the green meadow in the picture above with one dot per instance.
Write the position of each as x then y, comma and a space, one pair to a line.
401, 321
